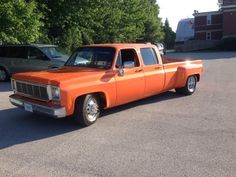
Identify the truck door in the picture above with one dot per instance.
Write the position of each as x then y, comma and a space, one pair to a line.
153, 72
130, 83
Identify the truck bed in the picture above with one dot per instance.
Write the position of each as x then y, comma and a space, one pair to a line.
172, 60
174, 70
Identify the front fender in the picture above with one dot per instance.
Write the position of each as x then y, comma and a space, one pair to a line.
71, 100
69, 97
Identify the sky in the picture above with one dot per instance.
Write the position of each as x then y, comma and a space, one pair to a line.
176, 10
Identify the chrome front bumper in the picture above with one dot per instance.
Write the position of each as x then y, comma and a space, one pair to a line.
57, 112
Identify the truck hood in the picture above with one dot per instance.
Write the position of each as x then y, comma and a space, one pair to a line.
62, 75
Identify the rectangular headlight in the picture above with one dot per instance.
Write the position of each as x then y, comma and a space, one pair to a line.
56, 95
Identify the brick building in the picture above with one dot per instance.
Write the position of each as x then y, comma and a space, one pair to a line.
216, 25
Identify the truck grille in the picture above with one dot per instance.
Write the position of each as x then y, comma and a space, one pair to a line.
39, 92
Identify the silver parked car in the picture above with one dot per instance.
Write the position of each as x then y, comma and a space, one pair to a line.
33, 57
161, 48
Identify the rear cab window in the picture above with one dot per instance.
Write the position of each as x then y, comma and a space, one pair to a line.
149, 56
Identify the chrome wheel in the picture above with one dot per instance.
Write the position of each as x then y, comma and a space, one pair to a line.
190, 86
92, 109
191, 83
87, 109
3, 75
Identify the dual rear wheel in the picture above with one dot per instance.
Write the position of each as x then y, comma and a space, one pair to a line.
190, 86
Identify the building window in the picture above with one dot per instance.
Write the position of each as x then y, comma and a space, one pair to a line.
208, 36
208, 19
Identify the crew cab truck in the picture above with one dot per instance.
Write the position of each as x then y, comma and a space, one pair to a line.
98, 77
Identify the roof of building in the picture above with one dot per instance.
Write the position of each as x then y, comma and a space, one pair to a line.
207, 13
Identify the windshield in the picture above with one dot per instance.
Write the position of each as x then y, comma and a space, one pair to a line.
95, 57
52, 52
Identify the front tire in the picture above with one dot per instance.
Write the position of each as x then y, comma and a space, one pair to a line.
87, 110
190, 86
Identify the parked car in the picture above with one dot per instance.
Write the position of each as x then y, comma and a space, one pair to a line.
98, 77
22, 58
161, 48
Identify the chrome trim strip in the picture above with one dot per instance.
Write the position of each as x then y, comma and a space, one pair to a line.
13, 85
32, 83
49, 92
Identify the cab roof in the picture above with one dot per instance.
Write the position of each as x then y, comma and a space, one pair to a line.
123, 45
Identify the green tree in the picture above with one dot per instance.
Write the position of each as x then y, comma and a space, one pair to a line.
152, 25
68, 23
170, 35
120, 21
73, 23
129, 21
20, 21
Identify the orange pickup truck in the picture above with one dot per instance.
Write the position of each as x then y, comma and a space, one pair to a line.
98, 77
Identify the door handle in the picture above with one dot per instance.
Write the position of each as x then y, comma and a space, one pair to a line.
138, 70
158, 67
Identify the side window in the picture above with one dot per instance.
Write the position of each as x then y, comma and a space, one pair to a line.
209, 18
149, 56
2, 52
208, 36
15, 52
127, 55
36, 54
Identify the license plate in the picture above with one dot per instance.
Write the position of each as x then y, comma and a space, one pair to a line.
28, 107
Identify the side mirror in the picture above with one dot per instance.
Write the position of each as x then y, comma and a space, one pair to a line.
129, 64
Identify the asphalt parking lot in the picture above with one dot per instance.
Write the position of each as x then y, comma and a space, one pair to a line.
162, 136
